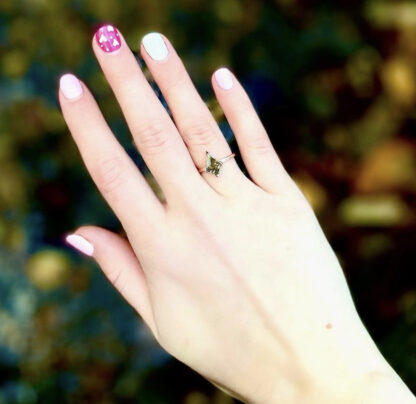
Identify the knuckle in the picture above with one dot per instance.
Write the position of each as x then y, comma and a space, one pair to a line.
260, 144
198, 134
115, 277
152, 139
177, 78
177, 81
109, 174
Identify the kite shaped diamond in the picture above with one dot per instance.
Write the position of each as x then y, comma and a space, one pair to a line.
212, 165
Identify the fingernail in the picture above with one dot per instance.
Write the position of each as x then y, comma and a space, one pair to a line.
79, 243
108, 38
70, 86
224, 78
155, 46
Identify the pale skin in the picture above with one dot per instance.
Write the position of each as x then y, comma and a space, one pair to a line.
232, 275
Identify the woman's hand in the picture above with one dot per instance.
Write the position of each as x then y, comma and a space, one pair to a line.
233, 276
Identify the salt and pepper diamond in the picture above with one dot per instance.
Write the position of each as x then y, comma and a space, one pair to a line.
212, 165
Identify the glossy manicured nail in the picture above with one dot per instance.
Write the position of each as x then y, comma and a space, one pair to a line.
108, 38
155, 46
70, 86
224, 78
79, 243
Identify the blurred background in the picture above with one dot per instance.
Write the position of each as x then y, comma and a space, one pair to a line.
335, 85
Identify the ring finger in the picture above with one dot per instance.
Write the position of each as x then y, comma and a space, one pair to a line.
193, 119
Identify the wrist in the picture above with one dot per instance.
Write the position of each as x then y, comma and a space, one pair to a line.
377, 387
383, 388
375, 384
367, 379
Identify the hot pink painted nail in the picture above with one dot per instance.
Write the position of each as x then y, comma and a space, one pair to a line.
79, 242
108, 38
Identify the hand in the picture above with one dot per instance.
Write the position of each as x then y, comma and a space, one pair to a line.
233, 276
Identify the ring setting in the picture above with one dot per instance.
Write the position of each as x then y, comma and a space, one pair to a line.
214, 165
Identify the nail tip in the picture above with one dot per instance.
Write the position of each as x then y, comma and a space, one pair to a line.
151, 35
108, 38
70, 86
224, 78
155, 46
65, 76
80, 243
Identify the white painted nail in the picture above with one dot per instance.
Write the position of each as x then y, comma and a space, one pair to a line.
224, 78
79, 243
155, 46
70, 86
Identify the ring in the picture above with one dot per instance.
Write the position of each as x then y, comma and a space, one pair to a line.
213, 165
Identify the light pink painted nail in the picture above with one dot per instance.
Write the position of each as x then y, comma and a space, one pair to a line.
79, 242
108, 38
70, 86
224, 78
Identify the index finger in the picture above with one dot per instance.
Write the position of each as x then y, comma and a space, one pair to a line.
112, 170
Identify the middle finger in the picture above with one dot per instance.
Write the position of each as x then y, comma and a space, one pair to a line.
192, 117
153, 131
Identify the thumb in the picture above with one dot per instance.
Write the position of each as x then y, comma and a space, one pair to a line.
117, 260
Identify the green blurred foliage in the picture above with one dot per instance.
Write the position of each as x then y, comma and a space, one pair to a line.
335, 85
